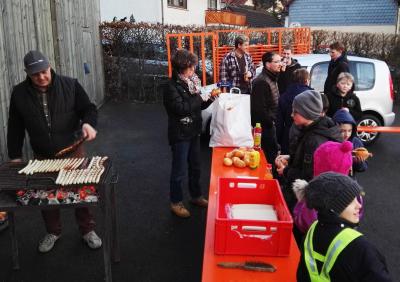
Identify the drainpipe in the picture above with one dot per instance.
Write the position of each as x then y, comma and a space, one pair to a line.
162, 12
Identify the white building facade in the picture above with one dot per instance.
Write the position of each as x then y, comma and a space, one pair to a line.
181, 12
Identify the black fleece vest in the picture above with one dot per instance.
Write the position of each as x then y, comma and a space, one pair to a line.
45, 140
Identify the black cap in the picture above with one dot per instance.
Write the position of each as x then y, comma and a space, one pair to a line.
35, 61
331, 191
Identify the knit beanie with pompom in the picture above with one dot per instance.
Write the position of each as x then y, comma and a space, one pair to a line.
333, 156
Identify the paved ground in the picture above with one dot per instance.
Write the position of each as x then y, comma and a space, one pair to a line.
156, 246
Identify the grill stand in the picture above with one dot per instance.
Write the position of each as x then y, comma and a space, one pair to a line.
107, 204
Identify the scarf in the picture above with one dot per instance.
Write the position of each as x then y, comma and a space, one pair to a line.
193, 83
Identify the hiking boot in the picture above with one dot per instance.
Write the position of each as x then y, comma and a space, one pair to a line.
47, 243
200, 201
92, 240
179, 210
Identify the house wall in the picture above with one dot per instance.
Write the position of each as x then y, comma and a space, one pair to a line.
150, 11
142, 10
194, 14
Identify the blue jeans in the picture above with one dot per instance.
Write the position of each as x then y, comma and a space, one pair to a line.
185, 157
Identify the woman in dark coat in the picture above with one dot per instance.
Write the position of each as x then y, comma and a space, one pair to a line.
333, 250
184, 104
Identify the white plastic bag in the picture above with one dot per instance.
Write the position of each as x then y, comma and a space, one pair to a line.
231, 121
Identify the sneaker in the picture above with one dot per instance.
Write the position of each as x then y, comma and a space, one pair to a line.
200, 201
47, 243
92, 240
179, 210
3, 221
3, 224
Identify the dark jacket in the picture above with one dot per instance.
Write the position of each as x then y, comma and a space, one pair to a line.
350, 101
285, 77
264, 99
303, 145
284, 118
69, 107
184, 111
334, 69
342, 116
359, 261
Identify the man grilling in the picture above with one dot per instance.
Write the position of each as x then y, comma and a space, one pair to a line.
52, 109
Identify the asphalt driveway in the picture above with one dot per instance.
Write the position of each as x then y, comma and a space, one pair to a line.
155, 245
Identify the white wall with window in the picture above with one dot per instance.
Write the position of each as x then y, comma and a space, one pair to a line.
187, 12
182, 12
213, 4
143, 11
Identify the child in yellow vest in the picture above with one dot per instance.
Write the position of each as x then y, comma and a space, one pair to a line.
333, 250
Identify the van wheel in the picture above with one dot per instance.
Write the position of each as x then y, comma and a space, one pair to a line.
369, 137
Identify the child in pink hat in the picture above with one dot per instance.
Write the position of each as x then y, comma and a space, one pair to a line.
330, 156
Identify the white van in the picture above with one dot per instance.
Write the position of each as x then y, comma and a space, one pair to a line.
373, 86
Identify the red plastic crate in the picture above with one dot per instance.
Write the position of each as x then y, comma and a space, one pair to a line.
252, 237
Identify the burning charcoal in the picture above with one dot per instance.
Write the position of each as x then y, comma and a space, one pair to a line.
52, 199
91, 199
34, 201
44, 202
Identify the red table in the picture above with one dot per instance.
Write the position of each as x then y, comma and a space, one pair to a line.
286, 266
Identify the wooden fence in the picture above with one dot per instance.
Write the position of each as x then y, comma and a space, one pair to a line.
67, 31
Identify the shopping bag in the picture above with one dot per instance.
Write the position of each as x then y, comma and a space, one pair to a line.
231, 121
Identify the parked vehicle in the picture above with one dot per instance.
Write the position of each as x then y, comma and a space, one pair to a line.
373, 86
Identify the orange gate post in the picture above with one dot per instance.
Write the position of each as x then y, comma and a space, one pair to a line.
300, 40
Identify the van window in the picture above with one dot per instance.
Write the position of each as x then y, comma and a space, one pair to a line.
363, 72
364, 75
319, 72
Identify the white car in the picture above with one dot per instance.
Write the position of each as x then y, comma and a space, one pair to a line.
373, 86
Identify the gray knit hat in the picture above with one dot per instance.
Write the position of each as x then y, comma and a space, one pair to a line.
331, 191
308, 104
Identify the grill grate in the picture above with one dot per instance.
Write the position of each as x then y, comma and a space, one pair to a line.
11, 180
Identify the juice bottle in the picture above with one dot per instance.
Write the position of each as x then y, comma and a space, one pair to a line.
254, 159
257, 136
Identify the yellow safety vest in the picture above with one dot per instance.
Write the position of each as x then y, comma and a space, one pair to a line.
338, 244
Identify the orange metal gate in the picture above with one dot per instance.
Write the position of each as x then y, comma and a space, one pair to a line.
211, 47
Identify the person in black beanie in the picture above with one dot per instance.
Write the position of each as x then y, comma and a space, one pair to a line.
333, 250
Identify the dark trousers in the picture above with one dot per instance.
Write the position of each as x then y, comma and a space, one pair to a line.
269, 144
185, 158
84, 217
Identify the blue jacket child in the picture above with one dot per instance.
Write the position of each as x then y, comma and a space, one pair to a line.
348, 128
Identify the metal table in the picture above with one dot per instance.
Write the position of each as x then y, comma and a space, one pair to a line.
10, 180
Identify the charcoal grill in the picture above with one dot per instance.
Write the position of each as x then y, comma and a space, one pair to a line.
11, 181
